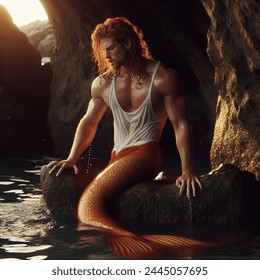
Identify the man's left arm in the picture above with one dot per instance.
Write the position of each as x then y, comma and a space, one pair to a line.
176, 108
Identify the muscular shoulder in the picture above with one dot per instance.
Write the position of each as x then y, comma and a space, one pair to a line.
100, 87
168, 81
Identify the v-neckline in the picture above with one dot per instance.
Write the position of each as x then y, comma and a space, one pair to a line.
147, 96
134, 111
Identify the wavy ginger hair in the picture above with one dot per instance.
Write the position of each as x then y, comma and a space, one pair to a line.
120, 29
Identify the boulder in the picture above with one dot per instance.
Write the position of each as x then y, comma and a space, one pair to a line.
61, 194
24, 93
229, 196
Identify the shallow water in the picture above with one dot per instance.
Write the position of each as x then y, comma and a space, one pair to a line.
28, 232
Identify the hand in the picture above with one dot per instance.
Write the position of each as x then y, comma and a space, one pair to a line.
62, 165
189, 182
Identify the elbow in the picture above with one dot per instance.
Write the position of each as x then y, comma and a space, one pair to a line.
180, 126
88, 123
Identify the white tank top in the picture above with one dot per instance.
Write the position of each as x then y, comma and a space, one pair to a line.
138, 127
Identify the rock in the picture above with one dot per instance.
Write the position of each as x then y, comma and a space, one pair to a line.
40, 36
229, 196
233, 48
24, 93
61, 194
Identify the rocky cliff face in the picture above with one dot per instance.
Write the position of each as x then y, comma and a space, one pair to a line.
234, 50
40, 35
24, 92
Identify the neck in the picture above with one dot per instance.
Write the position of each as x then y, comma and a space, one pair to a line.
126, 70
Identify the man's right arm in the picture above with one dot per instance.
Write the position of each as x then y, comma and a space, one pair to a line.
85, 131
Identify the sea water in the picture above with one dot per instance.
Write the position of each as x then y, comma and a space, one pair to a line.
28, 231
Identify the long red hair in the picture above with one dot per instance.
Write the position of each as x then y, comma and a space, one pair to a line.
120, 29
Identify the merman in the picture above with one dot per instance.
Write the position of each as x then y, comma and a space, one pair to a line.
141, 93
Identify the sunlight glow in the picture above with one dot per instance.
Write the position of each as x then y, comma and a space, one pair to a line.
24, 12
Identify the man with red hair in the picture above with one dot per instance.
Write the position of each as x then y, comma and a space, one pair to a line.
141, 93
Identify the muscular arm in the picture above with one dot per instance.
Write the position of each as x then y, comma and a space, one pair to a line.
85, 131
87, 128
176, 108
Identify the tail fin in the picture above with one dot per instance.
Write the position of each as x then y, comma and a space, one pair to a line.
150, 246
176, 242
133, 247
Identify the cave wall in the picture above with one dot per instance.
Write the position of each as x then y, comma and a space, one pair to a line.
234, 50
213, 44
24, 93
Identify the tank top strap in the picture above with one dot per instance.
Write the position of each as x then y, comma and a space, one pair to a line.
112, 90
153, 76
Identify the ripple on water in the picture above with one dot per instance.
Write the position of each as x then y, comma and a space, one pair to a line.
6, 183
38, 257
19, 180
24, 248
34, 171
15, 191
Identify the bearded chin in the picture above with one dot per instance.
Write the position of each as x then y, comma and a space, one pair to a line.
115, 68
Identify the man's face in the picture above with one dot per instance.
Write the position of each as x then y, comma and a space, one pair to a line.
115, 52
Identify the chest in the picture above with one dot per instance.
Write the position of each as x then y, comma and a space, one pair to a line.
131, 94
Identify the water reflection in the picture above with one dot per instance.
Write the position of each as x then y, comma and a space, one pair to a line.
27, 231
6, 183
23, 248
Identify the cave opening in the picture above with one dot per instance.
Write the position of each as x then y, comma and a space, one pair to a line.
24, 14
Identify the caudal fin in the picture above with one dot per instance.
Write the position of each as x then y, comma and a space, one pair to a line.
133, 247
150, 246
175, 242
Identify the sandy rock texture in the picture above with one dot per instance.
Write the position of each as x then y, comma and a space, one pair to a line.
234, 50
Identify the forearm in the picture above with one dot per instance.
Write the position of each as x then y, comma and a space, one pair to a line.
84, 135
185, 148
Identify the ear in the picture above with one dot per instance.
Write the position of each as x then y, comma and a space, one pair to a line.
128, 44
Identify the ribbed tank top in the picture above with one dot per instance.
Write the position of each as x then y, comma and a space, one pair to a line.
138, 127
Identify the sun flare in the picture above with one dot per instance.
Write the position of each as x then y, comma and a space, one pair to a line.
24, 12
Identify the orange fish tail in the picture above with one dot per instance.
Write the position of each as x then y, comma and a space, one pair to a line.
133, 247
178, 242
129, 166
150, 246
